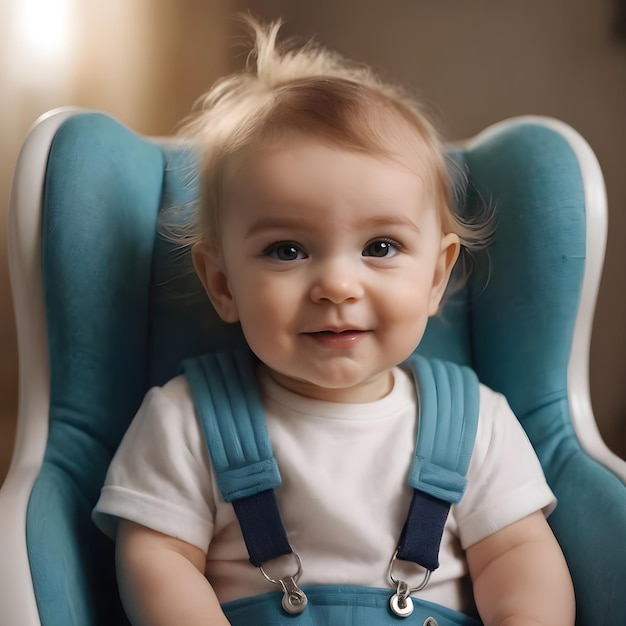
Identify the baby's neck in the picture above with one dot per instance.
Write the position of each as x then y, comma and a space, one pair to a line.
368, 391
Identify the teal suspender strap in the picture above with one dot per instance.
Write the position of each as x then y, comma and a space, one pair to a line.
231, 415
448, 419
233, 421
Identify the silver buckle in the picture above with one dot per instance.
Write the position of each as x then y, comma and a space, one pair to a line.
400, 602
294, 599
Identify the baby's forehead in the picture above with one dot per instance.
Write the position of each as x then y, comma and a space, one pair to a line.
306, 174
274, 161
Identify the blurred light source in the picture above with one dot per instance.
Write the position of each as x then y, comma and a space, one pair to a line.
42, 37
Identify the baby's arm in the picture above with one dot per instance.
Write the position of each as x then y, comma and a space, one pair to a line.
520, 577
161, 580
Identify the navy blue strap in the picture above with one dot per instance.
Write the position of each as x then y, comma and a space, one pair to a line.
421, 536
262, 527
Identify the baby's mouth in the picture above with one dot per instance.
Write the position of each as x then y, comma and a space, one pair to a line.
337, 338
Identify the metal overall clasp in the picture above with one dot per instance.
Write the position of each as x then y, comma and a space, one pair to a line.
400, 602
294, 599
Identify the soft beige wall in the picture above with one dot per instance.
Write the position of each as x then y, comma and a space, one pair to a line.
145, 61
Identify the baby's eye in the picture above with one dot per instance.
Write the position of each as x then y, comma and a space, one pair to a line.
381, 248
284, 251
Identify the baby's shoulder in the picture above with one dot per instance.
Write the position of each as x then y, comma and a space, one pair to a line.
164, 401
175, 389
498, 426
491, 402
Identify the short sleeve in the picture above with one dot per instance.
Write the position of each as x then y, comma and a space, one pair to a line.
505, 479
161, 476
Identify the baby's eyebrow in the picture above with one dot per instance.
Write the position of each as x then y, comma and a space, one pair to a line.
390, 220
277, 223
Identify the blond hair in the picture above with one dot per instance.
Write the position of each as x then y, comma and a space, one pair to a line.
311, 90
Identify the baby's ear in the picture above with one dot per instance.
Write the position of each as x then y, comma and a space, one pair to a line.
448, 255
209, 267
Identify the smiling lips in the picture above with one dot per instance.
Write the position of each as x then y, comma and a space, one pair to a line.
337, 339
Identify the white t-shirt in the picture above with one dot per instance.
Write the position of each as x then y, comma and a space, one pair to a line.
344, 496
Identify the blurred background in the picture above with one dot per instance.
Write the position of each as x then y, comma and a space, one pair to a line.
473, 63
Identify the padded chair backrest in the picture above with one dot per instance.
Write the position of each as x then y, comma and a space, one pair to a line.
118, 322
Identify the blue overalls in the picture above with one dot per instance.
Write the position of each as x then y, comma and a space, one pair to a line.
229, 408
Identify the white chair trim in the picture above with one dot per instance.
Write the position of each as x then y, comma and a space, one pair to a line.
24, 251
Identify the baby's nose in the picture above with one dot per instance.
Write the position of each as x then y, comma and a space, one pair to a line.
337, 282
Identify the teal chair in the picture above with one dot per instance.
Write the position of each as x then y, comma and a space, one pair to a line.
101, 318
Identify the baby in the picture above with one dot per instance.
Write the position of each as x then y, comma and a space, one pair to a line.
326, 229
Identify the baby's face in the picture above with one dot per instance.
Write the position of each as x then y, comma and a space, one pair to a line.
333, 262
